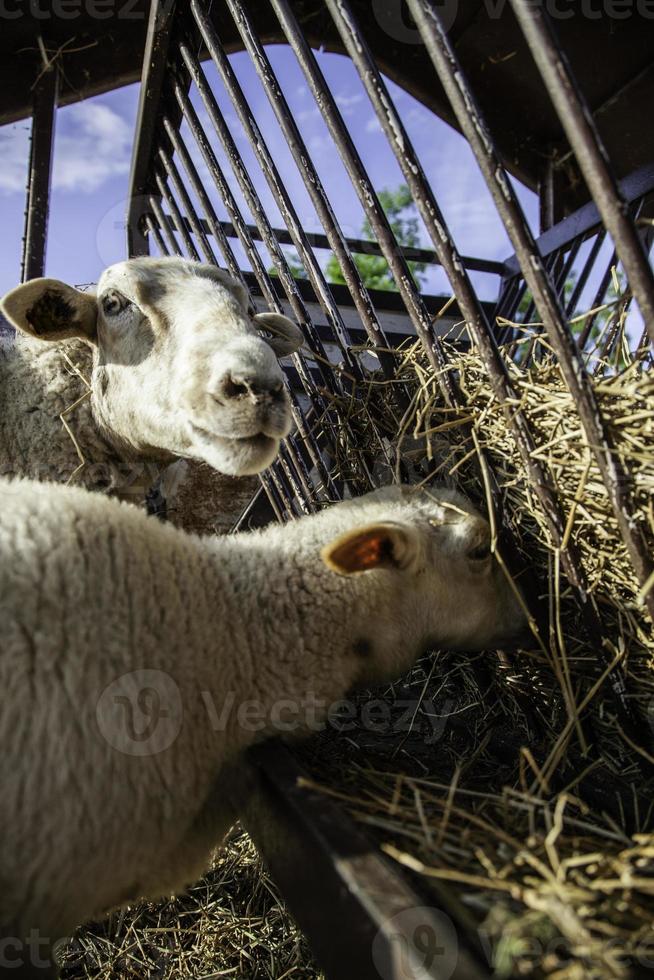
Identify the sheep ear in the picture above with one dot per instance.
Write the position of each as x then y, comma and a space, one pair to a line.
282, 334
385, 545
50, 310
477, 541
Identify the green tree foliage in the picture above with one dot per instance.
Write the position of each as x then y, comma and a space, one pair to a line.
373, 269
375, 273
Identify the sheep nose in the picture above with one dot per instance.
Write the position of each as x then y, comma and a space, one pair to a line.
237, 387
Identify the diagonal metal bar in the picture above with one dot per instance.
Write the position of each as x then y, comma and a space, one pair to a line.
473, 126
175, 179
263, 278
476, 319
331, 379
298, 148
213, 224
368, 197
276, 184
589, 150
180, 224
257, 210
165, 224
152, 229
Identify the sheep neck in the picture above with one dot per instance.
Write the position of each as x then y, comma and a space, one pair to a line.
307, 635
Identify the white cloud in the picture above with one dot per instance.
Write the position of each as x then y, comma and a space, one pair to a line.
94, 144
14, 153
372, 126
346, 103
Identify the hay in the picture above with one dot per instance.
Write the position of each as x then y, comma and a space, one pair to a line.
504, 784
232, 923
510, 777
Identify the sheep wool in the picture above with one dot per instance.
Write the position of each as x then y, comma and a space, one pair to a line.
138, 662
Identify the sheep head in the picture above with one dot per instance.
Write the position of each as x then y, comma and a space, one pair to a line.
426, 560
180, 366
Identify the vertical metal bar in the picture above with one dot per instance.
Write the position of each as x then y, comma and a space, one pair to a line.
585, 272
549, 196
368, 197
312, 182
579, 126
473, 126
155, 63
40, 174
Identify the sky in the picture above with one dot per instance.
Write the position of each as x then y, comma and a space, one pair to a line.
92, 156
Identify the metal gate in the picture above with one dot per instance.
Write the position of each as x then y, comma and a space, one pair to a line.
171, 212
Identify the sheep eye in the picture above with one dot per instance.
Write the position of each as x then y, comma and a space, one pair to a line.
480, 554
114, 303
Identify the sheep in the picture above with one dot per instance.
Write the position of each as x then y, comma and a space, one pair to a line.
165, 362
139, 662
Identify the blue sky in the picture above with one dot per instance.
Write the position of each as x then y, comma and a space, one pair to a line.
92, 155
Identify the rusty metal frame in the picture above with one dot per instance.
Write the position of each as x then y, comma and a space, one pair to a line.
37, 210
172, 211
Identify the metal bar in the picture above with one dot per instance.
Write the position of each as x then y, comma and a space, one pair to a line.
549, 196
260, 272
589, 150
475, 317
277, 186
210, 225
37, 211
197, 228
256, 208
152, 229
583, 275
180, 224
330, 378
335, 238
365, 246
598, 299
367, 196
587, 218
165, 224
241, 229
473, 126
155, 64
312, 847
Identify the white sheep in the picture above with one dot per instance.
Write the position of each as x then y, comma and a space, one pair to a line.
176, 368
139, 662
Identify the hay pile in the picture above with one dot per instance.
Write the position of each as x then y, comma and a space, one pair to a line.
232, 923
511, 778
505, 783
